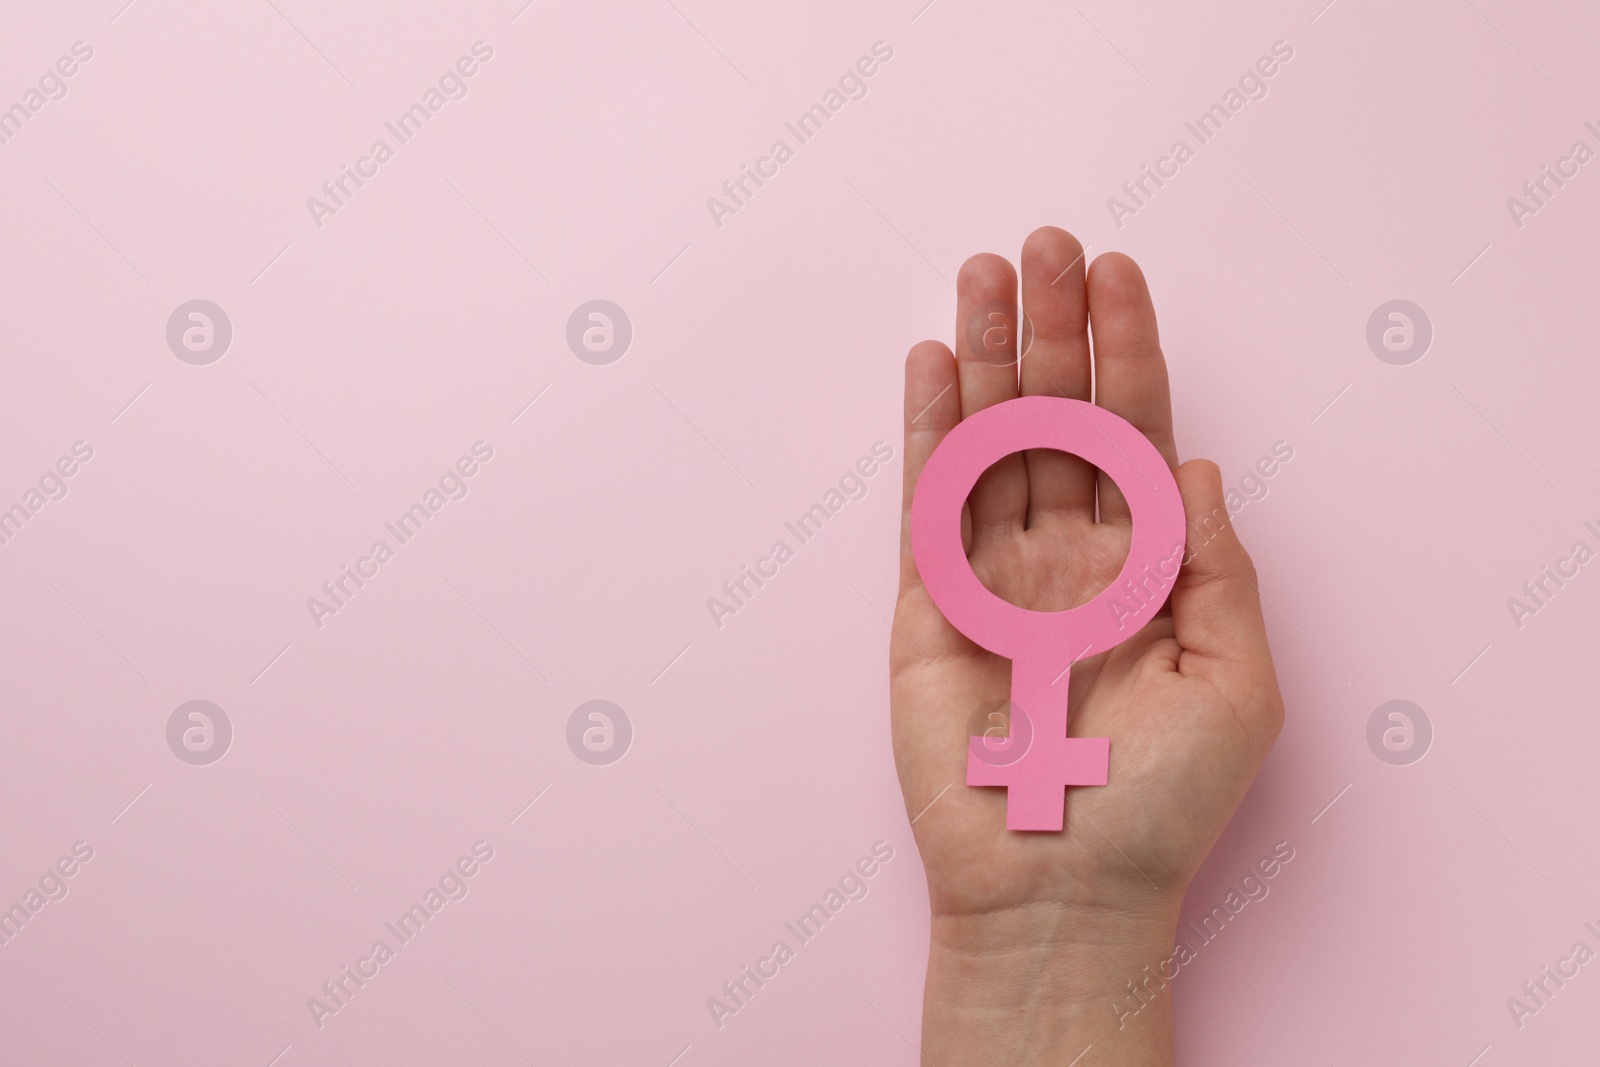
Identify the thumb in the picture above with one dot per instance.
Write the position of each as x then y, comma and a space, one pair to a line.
1216, 605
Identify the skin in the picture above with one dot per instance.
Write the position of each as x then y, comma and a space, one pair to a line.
1035, 936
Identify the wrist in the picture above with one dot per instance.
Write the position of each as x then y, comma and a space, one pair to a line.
1039, 984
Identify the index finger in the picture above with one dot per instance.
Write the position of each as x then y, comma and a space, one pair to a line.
1129, 370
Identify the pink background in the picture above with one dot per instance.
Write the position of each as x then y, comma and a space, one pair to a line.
370, 353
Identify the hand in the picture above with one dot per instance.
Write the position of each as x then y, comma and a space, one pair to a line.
1060, 921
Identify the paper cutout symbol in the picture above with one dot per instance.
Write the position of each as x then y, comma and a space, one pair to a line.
1038, 760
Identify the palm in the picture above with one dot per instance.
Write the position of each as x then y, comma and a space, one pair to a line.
1190, 703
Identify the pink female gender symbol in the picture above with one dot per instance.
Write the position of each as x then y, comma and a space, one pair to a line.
1038, 760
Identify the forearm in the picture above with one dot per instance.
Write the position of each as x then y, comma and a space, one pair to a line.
1042, 985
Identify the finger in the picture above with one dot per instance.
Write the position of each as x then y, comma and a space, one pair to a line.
1216, 603
932, 409
1129, 371
1055, 362
986, 358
